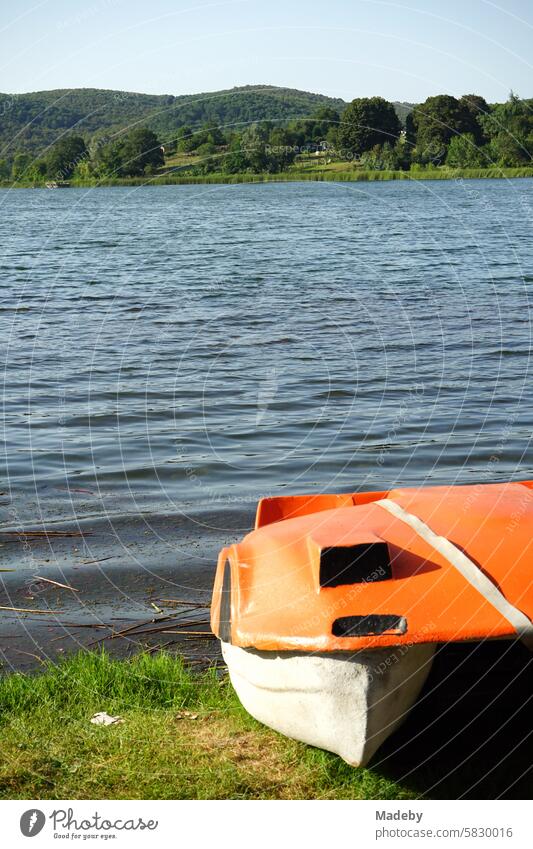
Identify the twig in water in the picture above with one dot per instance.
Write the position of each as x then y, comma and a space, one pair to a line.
56, 583
181, 601
75, 489
127, 630
162, 630
83, 625
30, 610
29, 653
192, 633
100, 560
152, 649
23, 533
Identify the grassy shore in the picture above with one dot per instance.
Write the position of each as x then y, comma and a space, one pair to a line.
467, 737
50, 750
315, 174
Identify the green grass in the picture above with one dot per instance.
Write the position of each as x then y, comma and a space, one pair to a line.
466, 737
50, 750
326, 173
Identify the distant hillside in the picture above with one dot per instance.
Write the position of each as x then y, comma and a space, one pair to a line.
33, 121
403, 109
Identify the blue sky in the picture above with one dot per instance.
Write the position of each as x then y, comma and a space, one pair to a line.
400, 50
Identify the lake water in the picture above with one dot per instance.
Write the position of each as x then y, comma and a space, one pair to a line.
182, 348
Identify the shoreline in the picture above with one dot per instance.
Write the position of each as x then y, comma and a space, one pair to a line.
189, 726
181, 179
107, 582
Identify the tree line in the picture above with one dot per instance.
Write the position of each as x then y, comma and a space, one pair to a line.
463, 132
32, 122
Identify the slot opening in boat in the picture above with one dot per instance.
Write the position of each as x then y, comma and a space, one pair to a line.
355, 564
369, 626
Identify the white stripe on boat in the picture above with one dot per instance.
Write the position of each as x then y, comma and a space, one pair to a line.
468, 569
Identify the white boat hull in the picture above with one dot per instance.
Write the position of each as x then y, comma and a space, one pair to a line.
347, 703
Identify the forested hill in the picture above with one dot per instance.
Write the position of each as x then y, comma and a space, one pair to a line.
34, 121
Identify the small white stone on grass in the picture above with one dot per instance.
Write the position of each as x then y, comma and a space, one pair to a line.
103, 718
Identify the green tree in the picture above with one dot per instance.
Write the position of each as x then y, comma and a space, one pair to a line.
185, 140
280, 149
332, 136
511, 149
235, 160
410, 130
5, 170
366, 122
84, 170
325, 120
431, 155
475, 107
21, 163
108, 159
37, 171
381, 158
133, 155
434, 123
214, 135
189, 140
463, 152
260, 148
65, 156
315, 129
253, 143
140, 150
509, 127
209, 158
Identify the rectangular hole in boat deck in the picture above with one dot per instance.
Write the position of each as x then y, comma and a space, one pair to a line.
369, 626
355, 564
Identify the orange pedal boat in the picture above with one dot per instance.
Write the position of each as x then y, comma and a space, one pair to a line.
330, 611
